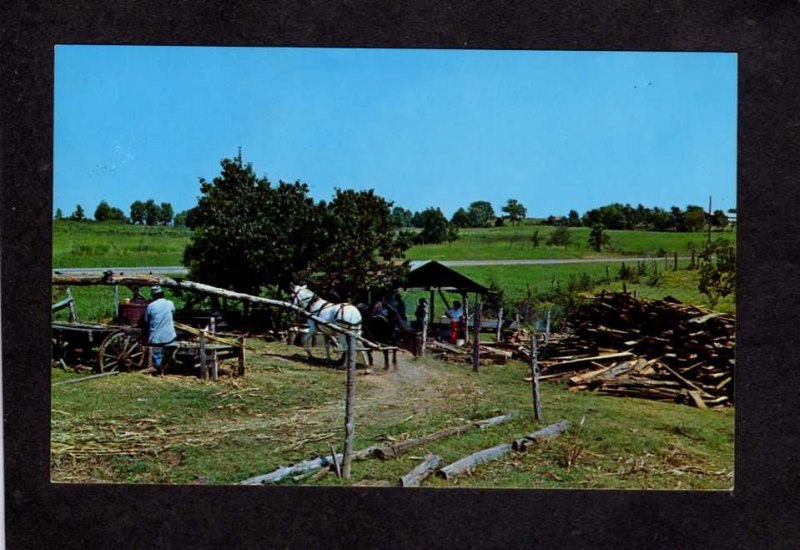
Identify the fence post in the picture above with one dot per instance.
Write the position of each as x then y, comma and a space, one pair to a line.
424, 331
349, 420
675, 261
466, 321
547, 329
499, 323
241, 357
476, 338
202, 355
537, 401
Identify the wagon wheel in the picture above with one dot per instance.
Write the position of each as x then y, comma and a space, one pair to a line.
118, 351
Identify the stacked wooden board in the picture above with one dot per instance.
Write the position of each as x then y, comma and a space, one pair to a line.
656, 349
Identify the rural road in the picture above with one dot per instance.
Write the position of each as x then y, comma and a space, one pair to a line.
178, 270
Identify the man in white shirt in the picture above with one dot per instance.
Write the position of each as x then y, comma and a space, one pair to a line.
158, 317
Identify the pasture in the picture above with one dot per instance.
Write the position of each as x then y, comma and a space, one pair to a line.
139, 428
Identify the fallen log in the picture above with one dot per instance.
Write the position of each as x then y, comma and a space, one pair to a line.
303, 467
537, 438
467, 463
394, 451
422, 471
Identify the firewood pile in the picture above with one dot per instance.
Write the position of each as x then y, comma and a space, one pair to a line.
655, 349
488, 353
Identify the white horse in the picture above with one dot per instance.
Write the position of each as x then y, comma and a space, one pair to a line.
346, 316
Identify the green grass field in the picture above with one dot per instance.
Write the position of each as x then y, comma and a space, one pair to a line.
86, 244
137, 428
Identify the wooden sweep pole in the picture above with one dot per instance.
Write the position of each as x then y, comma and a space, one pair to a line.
537, 401
349, 420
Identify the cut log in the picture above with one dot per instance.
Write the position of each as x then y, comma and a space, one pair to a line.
398, 449
422, 471
698, 401
542, 436
303, 467
473, 460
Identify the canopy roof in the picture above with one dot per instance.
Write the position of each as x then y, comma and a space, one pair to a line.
430, 275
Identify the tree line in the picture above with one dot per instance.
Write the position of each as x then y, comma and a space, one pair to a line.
619, 216
141, 212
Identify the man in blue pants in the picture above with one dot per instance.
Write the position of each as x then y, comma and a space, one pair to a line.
158, 317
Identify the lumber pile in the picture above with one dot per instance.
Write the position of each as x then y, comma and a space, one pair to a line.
655, 349
488, 353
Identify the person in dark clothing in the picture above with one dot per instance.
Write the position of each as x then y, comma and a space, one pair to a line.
419, 314
400, 307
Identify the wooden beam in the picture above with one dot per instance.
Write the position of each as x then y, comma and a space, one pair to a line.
349, 419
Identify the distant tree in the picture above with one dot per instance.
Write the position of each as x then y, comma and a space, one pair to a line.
677, 219
434, 227
574, 219
138, 212
180, 218
416, 220
535, 238
59, 215
166, 213
152, 212
402, 217
718, 271
78, 215
515, 211
559, 237
481, 214
452, 233
719, 219
598, 238
460, 218
694, 219
102, 212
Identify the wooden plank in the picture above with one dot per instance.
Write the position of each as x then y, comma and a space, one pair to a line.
573, 362
698, 401
421, 472
537, 400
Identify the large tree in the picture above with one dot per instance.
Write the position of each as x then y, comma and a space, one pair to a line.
435, 227
138, 212
481, 214
515, 211
78, 215
460, 218
249, 234
166, 213
363, 244
598, 238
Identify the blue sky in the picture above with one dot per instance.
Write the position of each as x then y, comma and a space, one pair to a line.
554, 130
